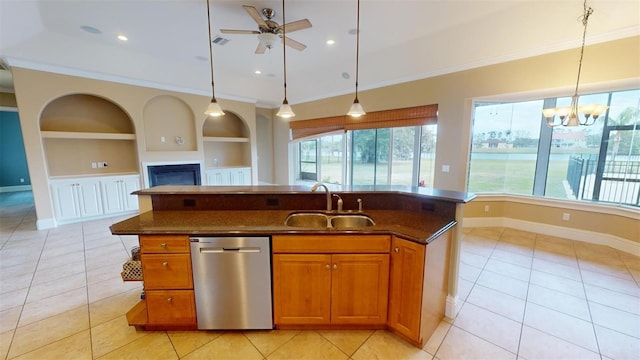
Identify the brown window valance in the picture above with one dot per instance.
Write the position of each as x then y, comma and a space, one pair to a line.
412, 116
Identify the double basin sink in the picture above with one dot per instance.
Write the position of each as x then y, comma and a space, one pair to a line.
324, 221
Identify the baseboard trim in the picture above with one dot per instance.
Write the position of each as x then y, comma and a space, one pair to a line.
44, 224
15, 188
593, 237
452, 307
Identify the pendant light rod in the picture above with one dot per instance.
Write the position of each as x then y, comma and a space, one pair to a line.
585, 19
285, 109
356, 109
214, 108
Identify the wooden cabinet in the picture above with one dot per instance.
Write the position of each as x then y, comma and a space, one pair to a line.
418, 286
330, 280
168, 281
116, 193
76, 198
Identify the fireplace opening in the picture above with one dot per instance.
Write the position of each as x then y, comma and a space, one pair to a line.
182, 174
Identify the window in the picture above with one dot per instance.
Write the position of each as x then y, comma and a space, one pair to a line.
384, 156
514, 152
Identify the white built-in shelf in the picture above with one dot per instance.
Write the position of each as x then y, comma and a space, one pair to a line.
86, 135
225, 139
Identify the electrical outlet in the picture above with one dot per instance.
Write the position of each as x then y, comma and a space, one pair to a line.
566, 216
486, 208
445, 168
100, 165
21, 180
94, 165
105, 164
162, 139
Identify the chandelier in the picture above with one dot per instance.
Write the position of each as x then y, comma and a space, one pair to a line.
570, 115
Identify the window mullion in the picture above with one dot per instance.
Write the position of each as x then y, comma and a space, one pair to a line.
544, 150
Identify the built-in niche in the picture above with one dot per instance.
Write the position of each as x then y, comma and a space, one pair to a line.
169, 125
87, 135
226, 142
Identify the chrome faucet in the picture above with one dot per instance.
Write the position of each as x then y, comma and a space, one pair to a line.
326, 189
340, 202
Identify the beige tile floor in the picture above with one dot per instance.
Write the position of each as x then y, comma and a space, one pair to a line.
524, 296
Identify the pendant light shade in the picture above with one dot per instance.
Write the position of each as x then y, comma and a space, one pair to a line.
356, 109
285, 111
214, 108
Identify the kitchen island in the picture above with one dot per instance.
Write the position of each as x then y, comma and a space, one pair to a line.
393, 272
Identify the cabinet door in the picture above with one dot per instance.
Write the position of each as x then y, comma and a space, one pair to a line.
301, 289
89, 198
218, 177
240, 176
129, 185
405, 293
359, 288
65, 198
111, 196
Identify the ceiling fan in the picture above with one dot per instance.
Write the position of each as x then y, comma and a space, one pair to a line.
269, 31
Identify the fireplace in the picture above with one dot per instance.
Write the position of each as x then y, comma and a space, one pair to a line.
178, 174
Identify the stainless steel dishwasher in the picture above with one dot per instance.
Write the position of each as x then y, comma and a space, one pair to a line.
232, 282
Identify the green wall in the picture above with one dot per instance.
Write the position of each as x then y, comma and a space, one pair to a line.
13, 160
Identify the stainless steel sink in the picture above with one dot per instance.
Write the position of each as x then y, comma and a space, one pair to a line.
320, 221
351, 221
313, 220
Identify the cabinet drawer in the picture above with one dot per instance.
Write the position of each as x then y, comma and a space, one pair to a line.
167, 271
164, 243
336, 244
171, 307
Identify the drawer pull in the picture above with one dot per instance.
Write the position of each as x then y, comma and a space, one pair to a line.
335, 266
328, 267
163, 245
165, 263
396, 249
169, 300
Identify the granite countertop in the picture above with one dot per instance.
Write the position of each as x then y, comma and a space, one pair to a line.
409, 225
431, 193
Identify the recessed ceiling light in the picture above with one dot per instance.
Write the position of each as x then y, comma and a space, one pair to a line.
353, 31
258, 72
345, 75
122, 38
330, 42
90, 29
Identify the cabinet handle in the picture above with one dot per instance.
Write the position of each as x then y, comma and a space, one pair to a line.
165, 263
163, 245
396, 249
169, 300
328, 267
335, 266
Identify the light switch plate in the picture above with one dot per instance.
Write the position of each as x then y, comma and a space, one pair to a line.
445, 168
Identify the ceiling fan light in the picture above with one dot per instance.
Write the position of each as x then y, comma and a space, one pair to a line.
214, 109
268, 39
356, 109
285, 111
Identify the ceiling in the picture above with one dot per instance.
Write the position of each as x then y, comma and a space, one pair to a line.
400, 40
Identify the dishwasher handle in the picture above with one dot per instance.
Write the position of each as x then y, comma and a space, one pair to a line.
220, 250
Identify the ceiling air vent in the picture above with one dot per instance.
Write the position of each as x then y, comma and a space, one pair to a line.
219, 40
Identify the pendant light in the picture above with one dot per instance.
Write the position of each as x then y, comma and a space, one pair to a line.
356, 109
570, 115
214, 108
285, 109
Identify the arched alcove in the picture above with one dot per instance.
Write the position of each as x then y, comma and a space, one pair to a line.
227, 150
87, 135
169, 125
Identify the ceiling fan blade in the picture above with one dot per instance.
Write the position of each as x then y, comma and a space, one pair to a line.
260, 49
294, 44
296, 25
255, 15
231, 31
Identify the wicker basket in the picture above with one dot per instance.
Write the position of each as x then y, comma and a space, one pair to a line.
132, 270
